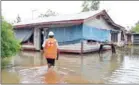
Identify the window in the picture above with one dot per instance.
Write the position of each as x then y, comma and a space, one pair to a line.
114, 37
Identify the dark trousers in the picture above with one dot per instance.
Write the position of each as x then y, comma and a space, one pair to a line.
50, 61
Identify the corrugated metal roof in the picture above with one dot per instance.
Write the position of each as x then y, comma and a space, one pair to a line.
67, 18
82, 15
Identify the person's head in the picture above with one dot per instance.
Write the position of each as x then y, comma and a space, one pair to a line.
51, 34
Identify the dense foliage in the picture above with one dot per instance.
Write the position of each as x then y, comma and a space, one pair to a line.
9, 45
136, 28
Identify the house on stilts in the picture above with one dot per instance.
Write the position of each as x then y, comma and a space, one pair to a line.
77, 33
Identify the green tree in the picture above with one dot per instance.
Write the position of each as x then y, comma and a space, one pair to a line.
136, 28
85, 6
137, 23
48, 13
90, 5
9, 45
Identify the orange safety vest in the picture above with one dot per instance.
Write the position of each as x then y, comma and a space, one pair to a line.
50, 48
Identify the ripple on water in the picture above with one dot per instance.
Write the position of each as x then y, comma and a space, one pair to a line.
32, 75
127, 73
121, 68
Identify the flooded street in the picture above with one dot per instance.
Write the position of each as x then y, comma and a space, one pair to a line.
30, 67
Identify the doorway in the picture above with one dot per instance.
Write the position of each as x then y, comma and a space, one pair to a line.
41, 38
43, 35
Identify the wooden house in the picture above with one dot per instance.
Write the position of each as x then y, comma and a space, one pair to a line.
89, 28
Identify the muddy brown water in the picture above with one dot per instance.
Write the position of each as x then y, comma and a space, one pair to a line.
30, 67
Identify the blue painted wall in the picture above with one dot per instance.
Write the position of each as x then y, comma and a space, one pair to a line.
74, 34
66, 35
93, 33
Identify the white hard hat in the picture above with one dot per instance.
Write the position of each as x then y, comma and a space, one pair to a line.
51, 33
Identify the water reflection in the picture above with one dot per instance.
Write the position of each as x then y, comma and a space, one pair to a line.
29, 59
121, 67
100, 67
7, 77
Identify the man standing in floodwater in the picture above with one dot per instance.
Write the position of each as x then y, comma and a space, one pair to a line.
50, 49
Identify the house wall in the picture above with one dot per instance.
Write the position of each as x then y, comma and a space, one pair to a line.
74, 34
66, 35
132, 38
99, 23
93, 33
37, 38
126, 39
135, 38
120, 42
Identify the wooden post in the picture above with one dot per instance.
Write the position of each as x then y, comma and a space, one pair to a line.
101, 47
113, 48
119, 38
81, 63
82, 47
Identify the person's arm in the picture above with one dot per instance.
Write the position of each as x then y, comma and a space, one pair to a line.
43, 45
57, 46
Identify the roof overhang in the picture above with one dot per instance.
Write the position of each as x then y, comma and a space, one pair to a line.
51, 24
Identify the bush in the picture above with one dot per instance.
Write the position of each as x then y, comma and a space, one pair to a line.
135, 29
9, 45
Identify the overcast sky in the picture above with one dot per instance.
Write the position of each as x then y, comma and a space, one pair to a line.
125, 13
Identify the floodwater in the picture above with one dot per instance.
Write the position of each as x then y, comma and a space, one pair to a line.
31, 67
